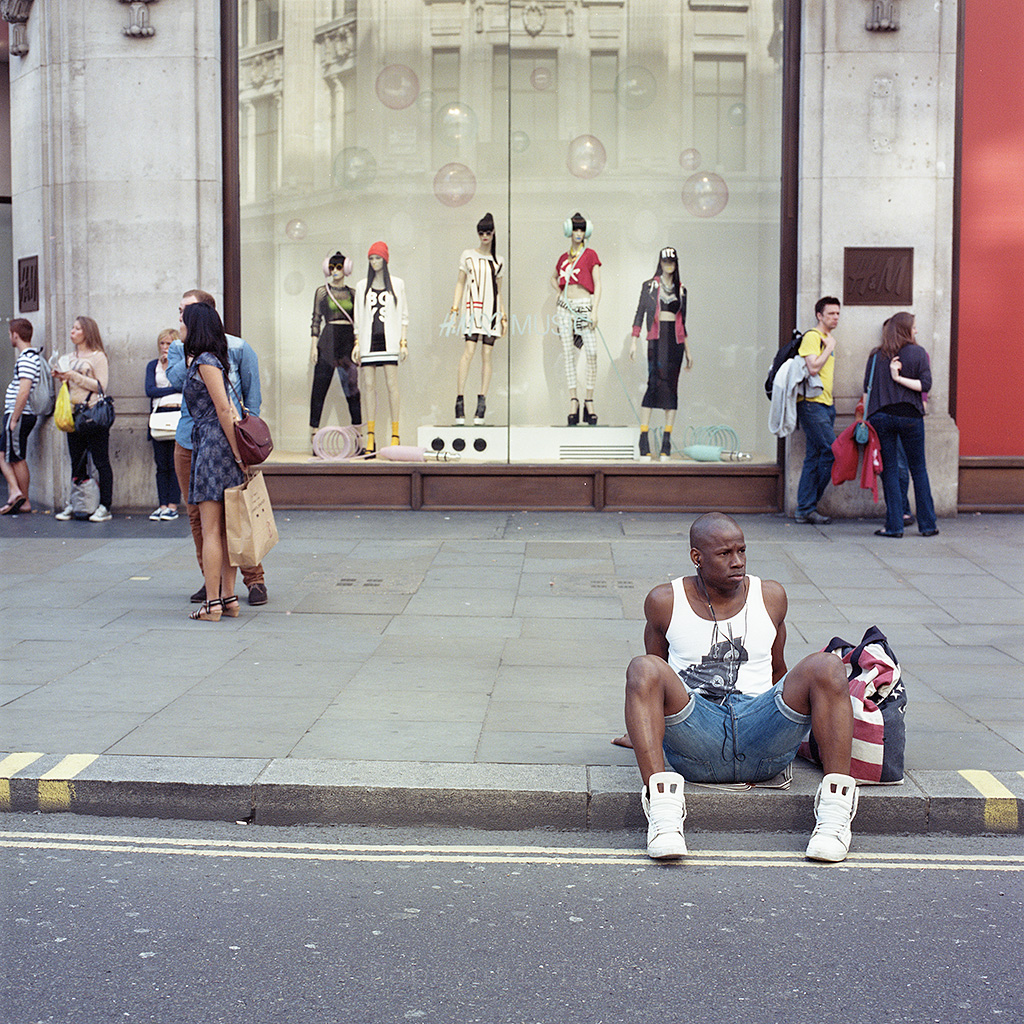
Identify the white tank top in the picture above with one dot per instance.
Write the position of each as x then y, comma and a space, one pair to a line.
734, 655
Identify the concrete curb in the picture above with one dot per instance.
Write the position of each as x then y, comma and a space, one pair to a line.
285, 791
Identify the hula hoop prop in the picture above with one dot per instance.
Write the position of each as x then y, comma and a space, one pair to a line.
336, 444
717, 443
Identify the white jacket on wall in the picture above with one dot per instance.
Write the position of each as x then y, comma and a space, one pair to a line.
792, 380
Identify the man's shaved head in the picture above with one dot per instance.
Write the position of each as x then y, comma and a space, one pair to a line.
709, 526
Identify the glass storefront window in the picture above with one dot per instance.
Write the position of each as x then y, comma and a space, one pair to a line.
406, 121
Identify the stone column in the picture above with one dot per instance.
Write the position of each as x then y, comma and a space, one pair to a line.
877, 135
116, 186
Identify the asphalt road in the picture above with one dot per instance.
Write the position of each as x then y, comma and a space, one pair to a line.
129, 920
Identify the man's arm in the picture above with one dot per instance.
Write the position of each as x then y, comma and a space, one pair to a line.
249, 375
815, 361
21, 399
176, 365
658, 611
777, 604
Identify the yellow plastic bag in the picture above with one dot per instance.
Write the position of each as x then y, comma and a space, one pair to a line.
63, 413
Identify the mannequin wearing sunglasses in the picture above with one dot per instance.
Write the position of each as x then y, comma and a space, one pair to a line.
478, 306
333, 339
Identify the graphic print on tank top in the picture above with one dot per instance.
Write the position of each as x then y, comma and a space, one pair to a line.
714, 676
377, 336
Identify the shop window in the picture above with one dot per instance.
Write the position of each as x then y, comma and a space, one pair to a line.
406, 121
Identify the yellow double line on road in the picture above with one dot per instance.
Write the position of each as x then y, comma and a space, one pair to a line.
383, 853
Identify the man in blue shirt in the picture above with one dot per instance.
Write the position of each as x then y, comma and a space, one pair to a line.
244, 375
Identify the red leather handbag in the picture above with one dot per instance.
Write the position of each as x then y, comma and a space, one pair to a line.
252, 435
253, 438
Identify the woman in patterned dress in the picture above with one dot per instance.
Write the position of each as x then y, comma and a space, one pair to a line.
216, 463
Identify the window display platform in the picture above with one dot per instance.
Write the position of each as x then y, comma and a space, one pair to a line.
675, 486
533, 444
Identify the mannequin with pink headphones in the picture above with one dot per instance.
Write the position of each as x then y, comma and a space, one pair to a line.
577, 279
333, 331
381, 322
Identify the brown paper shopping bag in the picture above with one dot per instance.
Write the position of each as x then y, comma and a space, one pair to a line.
251, 529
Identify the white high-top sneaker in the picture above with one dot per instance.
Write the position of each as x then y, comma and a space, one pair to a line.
665, 807
835, 804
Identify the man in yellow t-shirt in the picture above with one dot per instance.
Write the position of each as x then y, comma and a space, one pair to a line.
816, 416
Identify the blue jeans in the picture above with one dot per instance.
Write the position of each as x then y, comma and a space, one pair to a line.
817, 421
910, 431
746, 739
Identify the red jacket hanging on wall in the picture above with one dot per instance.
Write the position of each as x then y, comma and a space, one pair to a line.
847, 453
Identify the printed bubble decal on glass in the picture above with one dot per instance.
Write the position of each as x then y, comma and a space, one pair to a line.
454, 185
520, 142
635, 88
295, 230
689, 159
355, 168
542, 78
737, 115
705, 194
457, 124
586, 156
397, 87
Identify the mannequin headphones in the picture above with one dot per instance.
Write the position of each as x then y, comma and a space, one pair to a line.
567, 228
346, 266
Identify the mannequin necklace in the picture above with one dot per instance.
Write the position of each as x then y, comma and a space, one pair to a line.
574, 251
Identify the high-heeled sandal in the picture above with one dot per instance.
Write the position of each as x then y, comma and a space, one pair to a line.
229, 605
574, 417
589, 416
209, 611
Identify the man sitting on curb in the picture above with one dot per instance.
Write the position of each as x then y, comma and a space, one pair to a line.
712, 694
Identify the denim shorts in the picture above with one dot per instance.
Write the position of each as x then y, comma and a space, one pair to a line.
746, 739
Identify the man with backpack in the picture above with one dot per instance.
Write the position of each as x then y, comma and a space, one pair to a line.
20, 415
816, 416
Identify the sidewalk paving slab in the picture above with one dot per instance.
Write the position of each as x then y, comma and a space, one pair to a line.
470, 670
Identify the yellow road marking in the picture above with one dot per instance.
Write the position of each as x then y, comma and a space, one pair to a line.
470, 851
69, 766
486, 855
13, 763
56, 790
1000, 803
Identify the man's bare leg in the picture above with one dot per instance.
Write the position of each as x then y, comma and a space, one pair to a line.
653, 691
818, 686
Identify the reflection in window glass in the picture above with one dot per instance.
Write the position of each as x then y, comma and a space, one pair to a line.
405, 121
719, 109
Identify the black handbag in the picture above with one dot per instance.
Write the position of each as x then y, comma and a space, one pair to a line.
99, 416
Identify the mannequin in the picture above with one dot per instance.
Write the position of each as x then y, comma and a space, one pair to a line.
382, 319
332, 347
577, 279
663, 304
483, 313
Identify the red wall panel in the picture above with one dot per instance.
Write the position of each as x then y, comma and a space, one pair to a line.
990, 363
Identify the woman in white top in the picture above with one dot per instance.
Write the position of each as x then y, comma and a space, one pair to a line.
482, 313
166, 398
87, 380
381, 322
